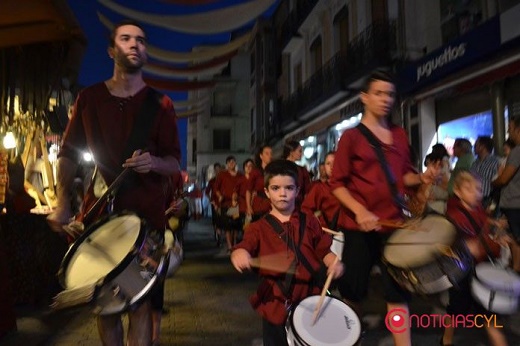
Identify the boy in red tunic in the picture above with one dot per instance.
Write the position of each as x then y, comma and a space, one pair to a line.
465, 210
263, 241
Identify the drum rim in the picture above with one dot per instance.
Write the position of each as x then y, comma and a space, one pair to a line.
514, 290
118, 269
303, 342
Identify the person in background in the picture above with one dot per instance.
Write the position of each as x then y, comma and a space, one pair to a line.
104, 116
322, 173
212, 196
462, 149
509, 144
359, 183
485, 166
257, 203
465, 210
262, 241
509, 182
225, 189
293, 151
320, 201
438, 193
247, 167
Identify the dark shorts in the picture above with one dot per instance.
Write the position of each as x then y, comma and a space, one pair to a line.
361, 252
157, 295
461, 300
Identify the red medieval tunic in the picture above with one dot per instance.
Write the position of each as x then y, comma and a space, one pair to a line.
358, 169
320, 198
262, 241
226, 184
260, 203
101, 123
466, 228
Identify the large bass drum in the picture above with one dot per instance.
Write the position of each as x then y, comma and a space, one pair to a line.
114, 264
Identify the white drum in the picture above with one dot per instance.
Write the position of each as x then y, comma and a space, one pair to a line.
495, 288
114, 264
337, 324
427, 259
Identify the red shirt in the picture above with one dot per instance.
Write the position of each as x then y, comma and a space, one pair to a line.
358, 169
320, 198
102, 126
226, 184
304, 182
260, 240
260, 203
466, 228
241, 189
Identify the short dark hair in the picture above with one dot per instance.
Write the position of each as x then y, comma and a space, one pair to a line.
280, 167
217, 164
230, 157
377, 75
112, 38
245, 163
486, 141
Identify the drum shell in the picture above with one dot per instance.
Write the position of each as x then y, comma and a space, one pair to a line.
437, 276
502, 298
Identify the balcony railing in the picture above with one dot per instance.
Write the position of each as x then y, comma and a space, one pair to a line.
371, 48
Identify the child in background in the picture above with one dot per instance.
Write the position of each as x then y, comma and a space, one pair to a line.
320, 201
470, 218
283, 233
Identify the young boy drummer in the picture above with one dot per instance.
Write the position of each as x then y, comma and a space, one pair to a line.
465, 210
288, 248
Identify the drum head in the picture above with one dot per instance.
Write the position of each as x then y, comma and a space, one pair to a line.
497, 278
337, 324
106, 246
409, 248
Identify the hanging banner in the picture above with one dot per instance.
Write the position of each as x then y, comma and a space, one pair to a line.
211, 22
205, 54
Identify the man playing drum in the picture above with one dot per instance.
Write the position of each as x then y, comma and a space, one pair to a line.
104, 122
360, 184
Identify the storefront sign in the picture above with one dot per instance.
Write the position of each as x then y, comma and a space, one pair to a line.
459, 53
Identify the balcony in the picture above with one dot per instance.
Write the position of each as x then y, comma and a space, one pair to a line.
368, 50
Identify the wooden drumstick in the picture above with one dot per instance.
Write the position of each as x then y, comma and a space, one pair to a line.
275, 263
323, 293
328, 230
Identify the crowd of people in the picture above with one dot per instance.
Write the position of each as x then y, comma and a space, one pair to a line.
357, 195
271, 212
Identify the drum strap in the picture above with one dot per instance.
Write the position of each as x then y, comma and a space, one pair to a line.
276, 227
479, 233
374, 142
332, 224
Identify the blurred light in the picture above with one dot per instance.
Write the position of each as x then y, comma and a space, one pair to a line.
311, 139
302, 143
87, 157
53, 153
9, 140
307, 152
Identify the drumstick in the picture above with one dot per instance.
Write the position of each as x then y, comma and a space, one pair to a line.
411, 225
275, 263
323, 292
328, 230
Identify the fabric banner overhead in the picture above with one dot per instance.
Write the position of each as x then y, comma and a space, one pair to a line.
204, 54
178, 85
211, 22
179, 73
189, 2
